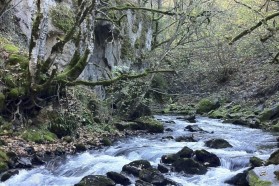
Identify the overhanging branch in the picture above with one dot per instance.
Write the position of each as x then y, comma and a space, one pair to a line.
111, 81
248, 31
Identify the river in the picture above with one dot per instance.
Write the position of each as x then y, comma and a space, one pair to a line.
70, 170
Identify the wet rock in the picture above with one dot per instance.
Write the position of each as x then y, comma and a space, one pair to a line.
170, 122
135, 166
95, 180
193, 128
185, 152
274, 158
162, 168
23, 162
167, 138
169, 130
7, 175
36, 160
191, 119
106, 141
169, 158
150, 124
169, 182
80, 147
125, 125
206, 158
189, 166
256, 162
217, 144
30, 150
239, 179
152, 176
143, 183
118, 178
185, 139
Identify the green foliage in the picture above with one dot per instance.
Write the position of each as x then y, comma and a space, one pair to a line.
62, 17
11, 48
63, 124
16, 92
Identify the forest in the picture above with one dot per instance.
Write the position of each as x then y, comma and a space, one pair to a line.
139, 92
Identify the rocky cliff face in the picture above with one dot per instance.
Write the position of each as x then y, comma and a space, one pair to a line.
115, 48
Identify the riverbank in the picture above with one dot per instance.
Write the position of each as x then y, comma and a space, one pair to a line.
152, 148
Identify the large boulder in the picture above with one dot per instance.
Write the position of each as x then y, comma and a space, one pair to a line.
217, 143
269, 113
152, 175
206, 158
7, 175
118, 178
169, 158
185, 152
239, 179
206, 105
256, 162
149, 124
95, 180
136, 166
274, 158
263, 176
189, 166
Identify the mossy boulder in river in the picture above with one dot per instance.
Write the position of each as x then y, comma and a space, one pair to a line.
217, 144
206, 158
269, 113
189, 166
263, 176
274, 158
206, 105
95, 180
149, 124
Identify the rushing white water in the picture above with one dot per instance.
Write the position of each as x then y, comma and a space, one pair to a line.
246, 143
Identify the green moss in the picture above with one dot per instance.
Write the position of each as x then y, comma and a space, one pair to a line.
3, 156
16, 92
206, 105
17, 58
256, 181
275, 128
62, 17
39, 136
3, 166
2, 101
150, 124
11, 48
9, 81
218, 114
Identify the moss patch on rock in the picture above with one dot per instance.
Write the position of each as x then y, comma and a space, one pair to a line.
3, 161
149, 124
256, 181
62, 17
39, 136
205, 105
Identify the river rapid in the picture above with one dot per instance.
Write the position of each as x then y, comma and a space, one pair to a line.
70, 170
